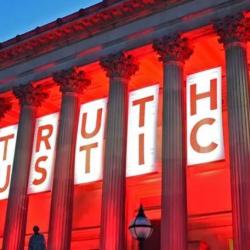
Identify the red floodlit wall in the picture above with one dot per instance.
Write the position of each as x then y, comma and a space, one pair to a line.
208, 185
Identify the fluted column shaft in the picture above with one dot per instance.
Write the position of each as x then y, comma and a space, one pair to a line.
233, 32
15, 225
239, 143
114, 176
173, 50
60, 226
63, 185
113, 203
174, 212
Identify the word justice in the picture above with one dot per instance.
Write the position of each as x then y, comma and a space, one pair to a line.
204, 135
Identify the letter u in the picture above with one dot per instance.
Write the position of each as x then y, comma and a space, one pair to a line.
86, 134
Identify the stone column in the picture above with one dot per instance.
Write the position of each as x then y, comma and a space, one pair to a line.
119, 68
30, 98
72, 83
173, 51
233, 32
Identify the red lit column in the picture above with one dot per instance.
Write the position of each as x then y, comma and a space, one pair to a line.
15, 225
173, 51
233, 32
119, 69
72, 83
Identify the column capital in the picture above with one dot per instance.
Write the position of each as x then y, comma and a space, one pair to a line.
71, 80
30, 95
119, 65
233, 29
173, 48
5, 106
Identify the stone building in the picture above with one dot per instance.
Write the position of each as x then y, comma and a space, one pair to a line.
124, 103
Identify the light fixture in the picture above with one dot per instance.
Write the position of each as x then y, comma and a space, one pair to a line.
141, 227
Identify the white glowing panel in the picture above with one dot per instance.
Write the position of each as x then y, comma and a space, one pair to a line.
7, 150
89, 144
43, 154
204, 117
141, 137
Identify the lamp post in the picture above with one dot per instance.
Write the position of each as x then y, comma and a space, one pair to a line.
141, 227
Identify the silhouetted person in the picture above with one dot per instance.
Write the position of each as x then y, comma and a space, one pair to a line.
37, 240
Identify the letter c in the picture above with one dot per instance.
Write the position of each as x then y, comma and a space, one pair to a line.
193, 137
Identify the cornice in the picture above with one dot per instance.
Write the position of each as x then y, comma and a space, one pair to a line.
78, 26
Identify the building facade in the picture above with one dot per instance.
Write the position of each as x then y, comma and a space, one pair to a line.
124, 103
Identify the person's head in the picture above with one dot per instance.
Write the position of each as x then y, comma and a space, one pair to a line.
36, 229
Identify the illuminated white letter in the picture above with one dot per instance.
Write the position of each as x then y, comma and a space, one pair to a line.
89, 144
7, 150
141, 138
43, 156
204, 117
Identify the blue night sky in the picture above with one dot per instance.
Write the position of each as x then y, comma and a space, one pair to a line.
20, 16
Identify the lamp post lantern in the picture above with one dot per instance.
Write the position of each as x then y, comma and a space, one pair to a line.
141, 227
